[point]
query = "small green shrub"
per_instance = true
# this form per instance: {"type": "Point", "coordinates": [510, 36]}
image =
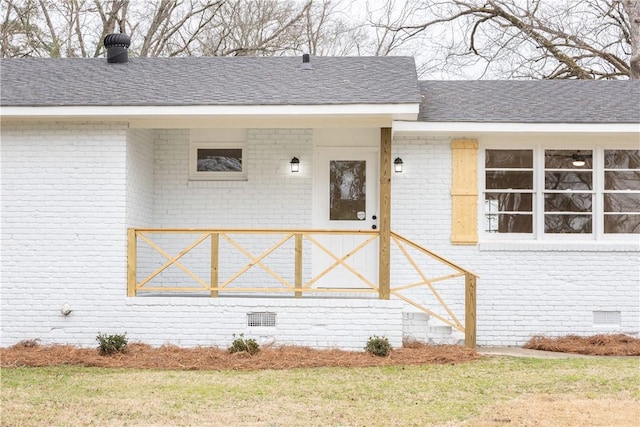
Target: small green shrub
{"type": "Point", "coordinates": [242, 344]}
{"type": "Point", "coordinates": [111, 344]}
{"type": "Point", "coordinates": [378, 346]}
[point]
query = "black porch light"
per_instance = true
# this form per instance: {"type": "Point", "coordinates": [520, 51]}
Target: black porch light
{"type": "Point", "coordinates": [295, 165]}
{"type": "Point", "coordinates": [398, 165]}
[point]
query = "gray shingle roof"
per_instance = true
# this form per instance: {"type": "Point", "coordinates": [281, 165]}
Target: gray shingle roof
{"type": "Point", "coordinates": [208, 81]}
{"type": "Point", "coordinates": [531, 101]}
{"type": "Point", "coordinates": [248, 81]}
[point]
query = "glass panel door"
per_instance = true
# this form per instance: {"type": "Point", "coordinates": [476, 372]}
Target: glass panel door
{"type": "Point", "coordinates": [346, 198]}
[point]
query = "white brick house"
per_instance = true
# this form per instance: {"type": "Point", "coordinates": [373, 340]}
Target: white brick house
{"type": "Point", "coordinates": [94, 151]}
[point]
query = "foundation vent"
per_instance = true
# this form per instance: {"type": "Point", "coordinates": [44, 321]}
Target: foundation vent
{"type": "Point", "coordinates": [606, 318]}
{"type": "Point", "coordinates": [262, 319]}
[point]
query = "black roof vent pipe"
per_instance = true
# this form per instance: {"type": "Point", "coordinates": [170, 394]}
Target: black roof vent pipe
{"type": "Point", "coordinates": [117, 48]}
{"type": "Point", "coordinates": [306, 65]}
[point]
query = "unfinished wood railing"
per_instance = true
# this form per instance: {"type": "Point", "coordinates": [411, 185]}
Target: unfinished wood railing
{"type": "Point", "coordinates": [298, 279]}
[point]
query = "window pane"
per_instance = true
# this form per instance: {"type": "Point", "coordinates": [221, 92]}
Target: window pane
{"type": "Point", "coordinates": [513, 202]}
{"type": "Point", "coordinates": [508, 223]}
{"type": "Point", "coordinates": [622, 224]}
{"type": "Point", "coordinates": [575, 224]}
{"type": "Point", "coordinates": [347, 186]}
{"type": "Point", "coordinates": [622, 159]}
{"type": "Point", "coordinates": [504, 180]}
{"type": "Point", "coordinates": [219, 160]}
{"type": "Point", "coordinates": [621, 202]}
{"type": "Point", "coordinates": [563, 159]}
{"type": "Point", "coordinates": [508, 158]}
{"type": "Point", "coordinates": [568, 180]}
{"type": "Point", "coordinates": [567, 202]}
{"type": "Point", "coordinates": [621, 180]}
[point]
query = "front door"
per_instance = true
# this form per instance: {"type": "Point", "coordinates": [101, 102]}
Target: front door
{"type": "Point", "coordinates": [346, 198]}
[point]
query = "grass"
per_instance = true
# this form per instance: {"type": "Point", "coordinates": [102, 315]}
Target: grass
{"type": "Point", "coordinates": [390, 395]}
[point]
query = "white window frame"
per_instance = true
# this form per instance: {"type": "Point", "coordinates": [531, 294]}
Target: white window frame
{"type": "Point", "coordinates": [539, 176]}
{"type": "Point", "coordinates": [196, 175]}
{"type": "Point", "coordinates": [481, 202]}
{"type": "Point", "coordinates": [601, 191]}
{"type": "Point", "coordinates": [538, 234]}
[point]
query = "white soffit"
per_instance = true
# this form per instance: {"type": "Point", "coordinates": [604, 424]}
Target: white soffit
{"type": "Point", "coordinates": [473, 128]}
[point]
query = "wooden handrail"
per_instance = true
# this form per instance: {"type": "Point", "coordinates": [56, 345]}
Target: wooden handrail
{"type": "Point", "coordinates": [470, 283]}
{"type": "Point", "coordinates": [251, 230]}
{"type": "Point", "coordinates": [432, 254]}
{"type": "Point", "coordinates": [298, 287]}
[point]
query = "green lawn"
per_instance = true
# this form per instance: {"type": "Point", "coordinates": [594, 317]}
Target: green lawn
{"type": "Point", "coordinates": [397, 395]}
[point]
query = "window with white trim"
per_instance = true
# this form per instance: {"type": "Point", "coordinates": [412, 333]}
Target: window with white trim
{"type": "Point", "coordinates": [508, 197]}
{"type": "Point", "coordinates": [621, 193]}
{"type": "Point", "coordinates": [548, 193]}
{"type": "Point", "coordinates": [217, 161]}
{"type": "Point", "coordinates": [568, 191]}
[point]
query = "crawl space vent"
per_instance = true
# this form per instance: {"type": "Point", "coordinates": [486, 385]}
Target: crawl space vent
{"type": "Point", "coordinates": [264, 319]}
{"type": "Point", "coordinates": [606, 318]}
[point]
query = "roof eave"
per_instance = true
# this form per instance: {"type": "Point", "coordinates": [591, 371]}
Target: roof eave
{"type": "Point", "coordinates": [222, 115]}
{"type": "Point", "coordinates": [474, 129]}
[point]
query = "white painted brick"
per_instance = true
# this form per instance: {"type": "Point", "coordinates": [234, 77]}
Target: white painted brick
{"type": "Point", "coordinates": [65, 213]}
{"type": "Point", "coordinates": [522, 291]}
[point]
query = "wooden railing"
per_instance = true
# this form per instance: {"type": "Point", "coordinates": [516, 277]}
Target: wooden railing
{"type": "Point", "coordinates": [300, 280]}
{"type": "Point", "coordinates": [470, 279]}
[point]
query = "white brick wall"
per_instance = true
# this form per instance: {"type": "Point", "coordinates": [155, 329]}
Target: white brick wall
{"type": "Point", "coordinates": [523, 289]}
{"type": "Point", "coordinates": [63, 217]}
{"type": "Point", "coordinates": [272, 197]}
{"type": "Point", "coordinates": [69, 190]}
{"type": "Point", "coordinates": [213, 321]}
{"type": "Point", "coordinates": [140, 164]}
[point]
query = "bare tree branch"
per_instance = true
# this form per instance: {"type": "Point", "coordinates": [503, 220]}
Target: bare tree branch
{"type": "Point", "coordinates": [583, 39]}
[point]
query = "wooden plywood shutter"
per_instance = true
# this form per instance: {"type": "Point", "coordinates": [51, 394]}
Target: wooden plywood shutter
{"type": "Point", "coordinates": [464, 192]}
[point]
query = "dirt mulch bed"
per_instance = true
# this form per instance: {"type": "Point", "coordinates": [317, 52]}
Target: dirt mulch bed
{"type": "Point", "coordinates": [144, 356]}
{"type": "Point", "coordinates": [597, 345]}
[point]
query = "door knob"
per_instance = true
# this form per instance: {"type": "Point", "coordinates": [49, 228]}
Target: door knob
{"type": "Point", "coordinates": [373, 227]}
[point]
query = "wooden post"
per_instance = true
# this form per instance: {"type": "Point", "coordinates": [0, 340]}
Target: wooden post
{"type": "Point", "coordinates": [298, 268]}
{"type": "Point", "coordinates": [215, 259]}
{"type": "Point", "coordinates": [470, 310]}
{"type": "Point", "coordinates": [384, 275]}
{"type": "Point", "coordinates": [132, 251]}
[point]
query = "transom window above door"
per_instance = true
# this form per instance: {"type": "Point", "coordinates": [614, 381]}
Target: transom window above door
{"type": "Point", "coordinates": [538, 192]}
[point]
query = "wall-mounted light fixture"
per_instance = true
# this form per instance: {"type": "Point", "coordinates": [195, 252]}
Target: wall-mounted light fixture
{"type": "Point", "coordinates": [398, 165]}
{"type": "Point", "coordinates": [295, 165]}
{"type": "Point", "coordinates": [578, 160]}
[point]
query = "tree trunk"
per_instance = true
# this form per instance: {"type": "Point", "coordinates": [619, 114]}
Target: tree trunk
{"type": "Point", "coordinates": [632, 7]}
